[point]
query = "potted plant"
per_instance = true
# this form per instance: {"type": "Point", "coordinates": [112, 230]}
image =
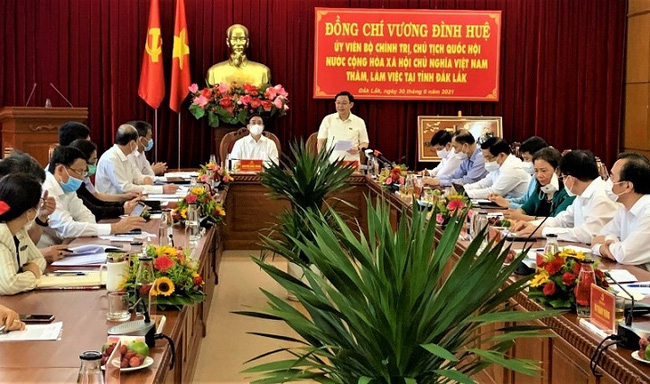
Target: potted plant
{"type": "Point", "coordinates": [384, 310]}
{"type": "Point", "coordinates": [305, 180]}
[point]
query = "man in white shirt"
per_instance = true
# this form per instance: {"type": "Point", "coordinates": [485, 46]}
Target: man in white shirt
{"type": "Point", "coordinates": [591, 210]}
{"type": "Point", "coordinates": [449, 162]}
{"type": "Point", "coordinates": [506, 173]}
{"type": "Point", "coordinates": [255, 146]}
{"type": "Point", "coordinates": [145, 143]}
{"type": "Point", "coordinates": [625, 238]}
{"type": "Point", "coordinates": [71, 218]}
{"type": "Point", "coordinates": [344, 127]}
{"type": "Point", "coordinates": [116, 174]}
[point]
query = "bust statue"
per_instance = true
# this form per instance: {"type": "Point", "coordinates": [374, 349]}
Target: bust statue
{"type": "Point", "coordinates": [238, 68]}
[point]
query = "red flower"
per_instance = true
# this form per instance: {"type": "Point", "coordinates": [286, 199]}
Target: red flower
{"type": "Point", "coordinates": [206, 92]}
{"type": "Point", "coordinates": [576, 268]}
{"type": "Point", "coordinates": [4, 207]}
{"type": "Point", "coordinates": [540, 260]}
{"type": "Point", "coordinates": [599, 274]}
{"type": "Point", "coordinates": [568, 278]}
{"type": "Point", "coordinates": [455, 204]}
{"type": "Point", "coordinates": [190, 199]}
{"type": "Point", "coordinates": [267, 105]}
{"type": "Point", "coordinates": [144, 289]}
{"type": "Point", "coordinates": [197, 280]}
{"type": "Point", "coordinates": [226, 102]}
{"type": "Point", "coordinates": [549, 289]}
{"type": "Point", "coordinates": [163, 263]}
{"type": "Point", "coordinates": [554, 266]}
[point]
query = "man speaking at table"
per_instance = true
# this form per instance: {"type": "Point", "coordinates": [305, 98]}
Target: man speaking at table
{"type": "Point", "coordinates": [343, 130]}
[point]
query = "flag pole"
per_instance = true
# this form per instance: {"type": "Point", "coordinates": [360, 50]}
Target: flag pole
{"type": "Point", "coordinates": [155, 124]}
{"type": "Point", "coordinates": [179, 139]}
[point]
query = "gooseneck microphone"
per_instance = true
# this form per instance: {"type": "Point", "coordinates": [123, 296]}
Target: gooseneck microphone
{"type": "Point", "coordinates": [31, 94]}
{"type": "Point", "coordinates": [61, 94]}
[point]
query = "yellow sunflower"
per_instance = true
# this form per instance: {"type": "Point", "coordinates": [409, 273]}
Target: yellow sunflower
{"type": "Point", "coordinates": [165, 250]}
{"type": "Point", "coordinates": [163, 286]}
{"type": "Point", "coordinates": [197, 190]}
{"type": "Point", "coordinates": [539, 279]}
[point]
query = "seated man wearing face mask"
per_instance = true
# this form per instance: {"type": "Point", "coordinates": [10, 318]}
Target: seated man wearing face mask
{"type": "Point", "coordinates": [590, 210]}
{"type": "Point", "coordinates": [145, 144]}
{"type": "Point", "coordinates": [255, 146]}
{"type": "Point", "coordinates": [528, 148]}
{"type": "Point", "coordinates": [506, 174]}
{"type": "Point", "coordinates": [471, 168]}
{"type": "Point", "coordinates": [449, 162]}
{"type": "Point", "coordinates": [116, 174]}
{"type": "Point", "coordinates": [625, 238]}
{"type": "Point", "coordinates": [549, 196]}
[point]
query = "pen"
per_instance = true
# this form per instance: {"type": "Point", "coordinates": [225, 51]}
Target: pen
{"type": "Point", "coordinates": [81, 288]}
{"type": "Point", "coordinates": [637, 285]}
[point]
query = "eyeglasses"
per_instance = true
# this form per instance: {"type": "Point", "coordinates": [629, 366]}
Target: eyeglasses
{"type": "Point", "coordinates": [83, 173]}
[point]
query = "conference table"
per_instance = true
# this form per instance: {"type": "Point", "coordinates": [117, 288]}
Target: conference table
{"type": "Point", "coordinates": [250, 213]}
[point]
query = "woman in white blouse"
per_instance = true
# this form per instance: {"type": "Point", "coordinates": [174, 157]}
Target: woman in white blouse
{"type": "Point", "coordinates": [21, 263]}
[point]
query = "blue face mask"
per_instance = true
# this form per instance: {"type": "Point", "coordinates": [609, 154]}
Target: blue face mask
{"type": "Point", "coordinates": [72, 184]}
{"type": "Point", "coordinates": [149, 145]}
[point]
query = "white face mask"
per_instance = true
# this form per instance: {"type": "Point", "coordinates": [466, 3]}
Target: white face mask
{"type": "Point", "coordinates": [442, 153]}
{"type": "Point", "coordinates": [609, 184]}
{"type": "Point", "coordinates": [553, 186]}
{"type": "Point", "coordinates": [256, 129]}
{"type": "Point", "coordinates": [529, 167]}
{"type": "Point", "coordinates": [491, 166]}
{"type": "Point", "coordinates": [461, 155]}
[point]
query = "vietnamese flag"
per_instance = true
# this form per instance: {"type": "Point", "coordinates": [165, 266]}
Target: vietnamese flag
{"type": "Point", "coordinates": [152, 81]}
{"type": "Point", "coordinates": [180, 60]}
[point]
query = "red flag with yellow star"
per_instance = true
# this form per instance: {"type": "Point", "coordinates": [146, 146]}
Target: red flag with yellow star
{"type": "Point", "coordinates": [180, 60]}
{"type": "Point", "coordinates": [152, 81]}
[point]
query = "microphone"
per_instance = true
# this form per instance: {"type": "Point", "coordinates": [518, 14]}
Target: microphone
{"type": "Point", "coordinates": [31, 94]}
{"type": "Point", "coordinates": [61, 94]}
{"type": "Point", "coordinates": [379, 156]}
{"type": "Point", "coordinates": [628, 338]}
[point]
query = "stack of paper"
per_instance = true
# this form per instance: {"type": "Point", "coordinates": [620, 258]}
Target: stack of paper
{"type": "Point", "coordinates": [89, 278]}
{"type": "Point", "coordinates": [622, 276]}
{"type": "Point", "coordinates": [78, 261]}
{"type": "Point", "coordinates": [34, 332]}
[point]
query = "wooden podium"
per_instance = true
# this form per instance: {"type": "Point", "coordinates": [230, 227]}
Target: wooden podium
{"type": "Point", "coordinates": [34, 129]}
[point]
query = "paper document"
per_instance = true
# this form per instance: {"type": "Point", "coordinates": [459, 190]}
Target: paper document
{"type": "Point", "coordinates": [34, 332]}
{"type": "Point", "coordinates": [90, 249]}
{"type": "Point", "coordinates": [88, 278]}
{"type": "Point", "coordinates": [77, 261]}
{"type": "Point", "coordinates": [184, 175]}
{"type": "Point", "coordinates": [343, 145]}
{"type": "Point", "coordinates": [161, 197]}
{"type": "Point", "coordinates": [623, 276]}
{"type": "Point", "coordinates": [637, 293]}
{"type": "Point", "coordinates": [577, 249]}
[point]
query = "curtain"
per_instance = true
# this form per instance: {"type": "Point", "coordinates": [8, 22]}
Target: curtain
{"type": "Point", "coordinates": [561, 75]}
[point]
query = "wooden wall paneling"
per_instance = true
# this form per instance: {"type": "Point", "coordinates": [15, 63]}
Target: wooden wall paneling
{"type": "Point", "coordinates": [636, 6]}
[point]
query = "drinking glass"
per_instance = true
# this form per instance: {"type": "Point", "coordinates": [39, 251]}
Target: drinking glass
{"type": "Point", "coordinates": [118, 306]}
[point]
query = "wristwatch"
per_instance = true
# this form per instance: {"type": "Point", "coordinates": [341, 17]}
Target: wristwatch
{"type": "Point", "coordinates": [45, 223]}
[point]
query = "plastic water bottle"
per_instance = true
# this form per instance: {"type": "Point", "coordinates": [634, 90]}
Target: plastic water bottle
{"type": "Point", "coordinates": [192, 227]}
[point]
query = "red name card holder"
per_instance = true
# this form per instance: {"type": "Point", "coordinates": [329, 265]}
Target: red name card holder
{"type": "Point", "coordinates": [602, 318]}
{"type": "Point", "coordinates": [251, 165]}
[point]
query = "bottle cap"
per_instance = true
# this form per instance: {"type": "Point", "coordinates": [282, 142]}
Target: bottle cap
{"type": "Point", "coordinates": [587, 261]}
{"type": "Point", "coordinates": [90, 355]}
{"type": "Point", "coordinates": [552, 235]}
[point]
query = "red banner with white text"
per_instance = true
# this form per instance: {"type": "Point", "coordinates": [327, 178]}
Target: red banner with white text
{"type": "Point", "coordinates": [408, 54]}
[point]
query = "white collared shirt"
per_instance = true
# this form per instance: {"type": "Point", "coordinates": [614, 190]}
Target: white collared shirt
{"type": "Point", "coordinates": [510, 180]}
{"type": "Point", "coordinates": [630, 231]}
{"type": "Point", "coordinates": [333, 129]}
{"type": "Point", "coordinates": [447, 165]}
{"type": "Point", "coordinates": [140, 161]}
{"type": "Point", "coordinates": [247, 148]}
{"type": "Point", "coordinates": [70, 219]}
{"type": "Point", "coordinates": [12, 282]}
{"type": "Point", "coordinates": [585, 217]}
{"type": "Point", "coordinates": [116, 174]}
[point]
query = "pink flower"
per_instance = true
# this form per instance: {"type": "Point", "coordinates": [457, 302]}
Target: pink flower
{"type": "Point", "coordinates": [455, 204]}
{"type": "Point", "coordinates": [277, 102]}
{"type": "Point", "coordinates": [191, 199]}
{"type": "Point", "coordinates": [439, 218]}
{"type": "Point", "coordinates": [204, 178]}
{"type": "Point", "coordinates": [270, 93]}
{"type": "Point", "coordinates": [201, 101]}
{"type": "Point", "coordinates": [401, 180]}
{"type": "Point", "coordinates": [223, 88]}
{"type": "Point", "coordinates": [245, 100]}
{"type": "Point", "coordinates": [213, 167]}
{"type": "Point", "coordinates": [193, 88]}
{"type": "Point", "coordinates": [389, 181]}
{"type": "Point", "coordinates": [281, 90]}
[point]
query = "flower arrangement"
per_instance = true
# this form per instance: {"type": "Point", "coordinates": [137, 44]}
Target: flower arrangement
{"type": "Point", "coordinates": [233, 103]}
{"type": "Point", "coordinates": [392, 178]}
{"type": "Point", "coordinates": [177, 281]}
{"type": "Point", "coordinates": [211, 172]}
{"type": "Point", "coordinates": [554, 284]}
{"type": "Point", "coordinates": [205, 202]}
{"type": "Point", "coordinates": [447, 206]}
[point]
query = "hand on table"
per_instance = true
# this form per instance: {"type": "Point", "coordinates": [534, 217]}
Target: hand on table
{"type": "Point", "coordinates": [159, 168]}
{"type": "Point", "coordinates": [432, 181]}
{"type": "Point", "coordinates": [10, 319]}
{"type": "Point", "coordinates": [514, 214]}
{"type": "Point", "coordinates": [499, 200]}
{"type": "Point", "coordinates": [518, 225]}
{"type": "Point", "coordinates": [54, 252]}
{"type": "Point", "coordinates": [131, 195]}
{"type": "Point", "coordinates": [127, 224]}
{"type": "Point", "coordinates": [129, 205]}
{"type": "Point", "coordinates": [169, 189]}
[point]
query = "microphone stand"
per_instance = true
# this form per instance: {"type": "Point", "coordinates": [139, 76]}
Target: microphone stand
{"type": "Point", "coordinates": [628, 338]}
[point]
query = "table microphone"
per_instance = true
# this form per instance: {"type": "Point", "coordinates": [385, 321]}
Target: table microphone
{"type": "Point", "coordinates": [628, 338]}
{"type": "Point", "coordinates": [61, 94]}
{"type": "Point", "coordinates": [378, 155]}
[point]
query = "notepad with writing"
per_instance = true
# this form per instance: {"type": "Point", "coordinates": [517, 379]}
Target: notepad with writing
{"type": "Point", "coordinates": [34, 332]}
{"type": "Point", "coordinates": [90, 278]}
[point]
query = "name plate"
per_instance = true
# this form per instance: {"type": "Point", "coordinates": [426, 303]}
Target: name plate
{"type": "Point", "coordinates": [603, 308]}
{"type": "Point", "coordinates": [250, 165]}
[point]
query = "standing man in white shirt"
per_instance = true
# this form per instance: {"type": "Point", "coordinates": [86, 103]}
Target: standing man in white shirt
{"type": "Point", "coordinates": [71, 218]}
{"type": "Point", "coordinates": [591, 210]}
{"type": "Point", "coordinates": [343, 126]}
{"type": "Point", "coordinates": [625, 238]}
{"type": "Point", "coordinates": [145, 144]}
{"type": "Point", "coordinates": [255, 146]}
{"type": "Point", "coordinates": [506, 176]}
{"type": "Point", "coordinates": [449, 162]}
{"type": "Point", "coordinates": [116, 174]}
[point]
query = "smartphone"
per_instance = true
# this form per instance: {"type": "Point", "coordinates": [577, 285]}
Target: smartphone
{"type": "Point", "coordinates": [36, 318]}
{"type": "Point", "coordinates": [138, 209]}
